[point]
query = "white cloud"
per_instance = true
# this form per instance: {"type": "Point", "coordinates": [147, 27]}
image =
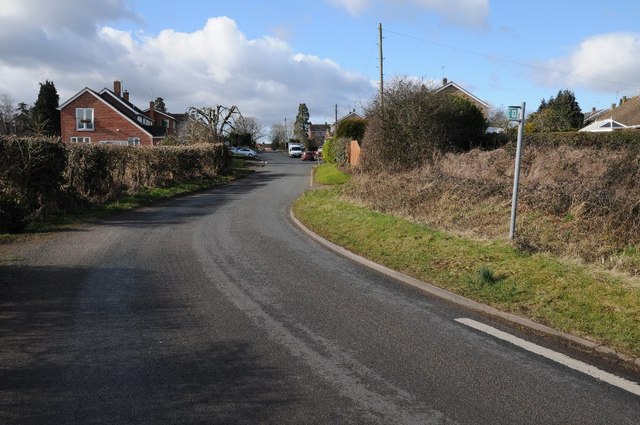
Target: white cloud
{"type": "Point", "coordinates": [466, 13]}
{"type": "Point", "coordinates": [606, 63]}
{"type": "Point", "coordinates": [354, 7]}
{"type": "Point", "coordinates": [216, 64]}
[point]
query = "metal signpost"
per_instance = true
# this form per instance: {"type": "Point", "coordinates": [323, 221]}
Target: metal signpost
{"type": "Point", "coordinates": [516, 113]}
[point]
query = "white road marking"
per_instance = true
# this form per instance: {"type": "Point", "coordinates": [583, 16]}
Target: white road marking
{"type": "Point", "coordinates": [607, 377]}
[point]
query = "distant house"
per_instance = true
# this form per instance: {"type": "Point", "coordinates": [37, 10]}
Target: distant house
{"type": "Point", "coordinates": [108, 117]}
{"type": "Point", "coordinates": [604, 125]}
{"type": "Point", "coordinates": [625, 115]}
{"type": "Point", "coordinates": [318, 132]}
{"type": "Point", "coordinates": [353, 115]}
{"type": "Point", "coordinates": [449, 87]}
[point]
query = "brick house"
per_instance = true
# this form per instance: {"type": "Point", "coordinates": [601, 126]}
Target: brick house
{"type": "Point", "coordinates": [108, 117]}
{"type": "Point", "coordinates": [317, 132]}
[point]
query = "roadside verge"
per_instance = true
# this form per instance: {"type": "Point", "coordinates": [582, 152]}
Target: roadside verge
{"type": "Point", "coordinates": [568, 339]}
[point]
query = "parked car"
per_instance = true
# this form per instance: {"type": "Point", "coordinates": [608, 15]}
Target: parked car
{"type": "Point", "coordinates": [309, 155]}
{"type": "Point", "coordinates": [246, 152]}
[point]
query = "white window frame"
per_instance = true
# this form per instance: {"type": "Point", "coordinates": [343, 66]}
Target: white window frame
{"type": "Point", "coordinates": [133, 141]}
{"type": "Point", "coordinates": [85, 119]}
{"type": "Point", "coordinates": [80, 139]}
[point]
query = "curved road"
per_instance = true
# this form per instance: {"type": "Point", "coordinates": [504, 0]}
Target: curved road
{"type": "Point", "coordinates": [214, 308]}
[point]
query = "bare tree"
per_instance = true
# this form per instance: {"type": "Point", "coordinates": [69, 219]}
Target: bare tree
{"type": "Point", "coordinates": [279, 135]}
{"type": "Point", "coordinates": [211, 123]}
{"type": "Point", "coordinates": [7, 115]}
{"type": "Point", "coordinates": [250, 126]}
{"type": "Point", "coordinates": [498, 119]}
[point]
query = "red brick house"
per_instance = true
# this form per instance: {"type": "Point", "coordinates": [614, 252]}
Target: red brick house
{"type": "Point", "coordinates": [108, 117]}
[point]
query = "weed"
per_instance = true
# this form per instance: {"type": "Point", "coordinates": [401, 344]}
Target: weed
{"type": "Point", "coordinates": [485, 276]}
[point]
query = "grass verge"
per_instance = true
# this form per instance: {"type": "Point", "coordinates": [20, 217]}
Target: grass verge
{"type": "Point", "coordinates": [575, 298]}
{"type": "Point", "coordinates": [329, 174]}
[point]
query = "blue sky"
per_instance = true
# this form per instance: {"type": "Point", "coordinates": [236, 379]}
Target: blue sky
{"type": "Point", "coordinates": [266, 57]}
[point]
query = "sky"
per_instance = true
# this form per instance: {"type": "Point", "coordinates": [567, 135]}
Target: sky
{"type": "Point", "coordinates": [267, 57]}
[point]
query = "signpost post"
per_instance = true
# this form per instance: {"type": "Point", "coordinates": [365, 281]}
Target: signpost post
{"type": "Point", "coordinates": [516, 113]}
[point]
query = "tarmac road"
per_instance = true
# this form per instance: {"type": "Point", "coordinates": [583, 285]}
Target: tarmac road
{"type": "Point", "coordinates": [214, 308]}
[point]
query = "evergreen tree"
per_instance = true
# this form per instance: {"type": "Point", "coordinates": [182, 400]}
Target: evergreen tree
{"type": "Point", "coordinates": [159, 105]}
{"type": "Point", "coordinates": [302, 123]}
{"type": "Point", "coordinates": [46, 109]}
{"type": "Point", "coordinates": [560, 113]}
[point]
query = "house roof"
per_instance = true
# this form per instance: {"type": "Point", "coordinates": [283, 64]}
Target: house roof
{"type": "Point", "coordinates": [627, 113]}
{"type": "Point", "coordinates": [319, 127]}
{"type": "Point", "coordinates": [350, 116]}
{"type": "Point", "coordinates": [125, 107]}
{"type": "Point", "coordinates": [604, 125]}
{"type": "Point", "coordinates": [121, 108]}
{"type": "Point", "coordinates": [455, 86]}
{"type": "Point", "coordinates": [166, 114]}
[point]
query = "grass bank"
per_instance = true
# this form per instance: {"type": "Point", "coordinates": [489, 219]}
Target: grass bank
{"type": "Point", "coordinates": [329, 174]}
{"type": "Point", "coordinates": [595, 304]}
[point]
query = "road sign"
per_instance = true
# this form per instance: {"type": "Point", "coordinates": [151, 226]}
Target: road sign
{"type": "Point", "coordinates": [513, 113]}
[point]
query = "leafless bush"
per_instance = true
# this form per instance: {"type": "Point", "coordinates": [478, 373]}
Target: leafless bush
{"type": "Point", "coordinates": [415, 125]}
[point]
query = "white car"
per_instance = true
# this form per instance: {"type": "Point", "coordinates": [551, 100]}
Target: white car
{"type": "Point", "coordinates": [249, 153]}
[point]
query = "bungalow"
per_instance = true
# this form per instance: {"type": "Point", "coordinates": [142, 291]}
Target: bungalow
{"type": "Point", "coordinates": [449, 87]}
{"type": "Point", "coordinates": [353, 115]}
{"type": "Point", "coordinates": [626, 115]}
{"type": "Point", "coordinates": [108, 117]}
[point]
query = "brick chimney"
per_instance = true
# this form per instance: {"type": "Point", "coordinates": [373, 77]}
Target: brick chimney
{"type": "Point", "coordinates": [117, 88]}
{"type": "Point", "coordinates": [125, 95]}
{"type": "Point", "coordinates": [444, 81]}
{"type": "Point", "coordinates": [152, 112]}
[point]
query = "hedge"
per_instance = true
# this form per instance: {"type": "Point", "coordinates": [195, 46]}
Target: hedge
{"type": "Point", "coordinates": [40, 176]}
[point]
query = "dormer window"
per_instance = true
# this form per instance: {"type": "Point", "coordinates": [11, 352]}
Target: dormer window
{"type": "Point", "coordinates": [84, 119]}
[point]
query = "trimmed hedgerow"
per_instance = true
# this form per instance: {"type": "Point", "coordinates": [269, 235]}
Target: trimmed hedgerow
{"type": "Point", "coordinates": [38, 176]}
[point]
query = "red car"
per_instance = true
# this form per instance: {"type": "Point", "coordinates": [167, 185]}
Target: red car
{"type": "Point", "coordinates": [309, 155]}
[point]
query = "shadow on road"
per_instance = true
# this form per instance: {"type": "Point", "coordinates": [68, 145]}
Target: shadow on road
{"type": "Point", "coordinates": [76, 347]}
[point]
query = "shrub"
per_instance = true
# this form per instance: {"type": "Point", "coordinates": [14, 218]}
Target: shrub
{"type": "Point", "coordinates": [417, 124]}
{"type": "Point", "coordinates": [352, 129]}
{"type": "Point", "coordinates": [334, 150]}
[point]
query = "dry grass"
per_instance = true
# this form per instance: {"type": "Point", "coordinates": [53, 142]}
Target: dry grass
{"type": "Point", "coordinates": [574, 202]}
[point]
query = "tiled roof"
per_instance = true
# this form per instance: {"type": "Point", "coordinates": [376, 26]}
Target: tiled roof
{"type": "Point", "coordinates": [627, 113]}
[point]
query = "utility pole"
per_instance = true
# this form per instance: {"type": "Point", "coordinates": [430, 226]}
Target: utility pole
{"type": "Point", "coordinates": [381, 61]}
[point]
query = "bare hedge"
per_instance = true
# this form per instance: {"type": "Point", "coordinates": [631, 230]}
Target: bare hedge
{"type": "Point", "coordinates": [579, 201]}
{"type": "Point", "coordinates": [40, 176]}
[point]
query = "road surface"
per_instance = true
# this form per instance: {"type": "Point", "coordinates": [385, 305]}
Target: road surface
{"type": "Point", "coordinates": [214, 308]}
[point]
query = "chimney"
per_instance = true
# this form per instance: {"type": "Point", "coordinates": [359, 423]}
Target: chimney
{"type": "Point", "coordinates": [152, 112]}
{"type": "Point", "coordinates": [593, 109]}
{"type": "Point", "coordinates": [613, 106]}
{"type": "Point", "coordinates": [117, 87]}
{"type": "Point", "coordinates": [444, 81]}
{"type": "Point", "coordinates": [125, 95]}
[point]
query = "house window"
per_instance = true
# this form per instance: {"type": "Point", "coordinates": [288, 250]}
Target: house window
{"type": "Point", "coordinates": [165, 123]}
{"type": "Point", "coordinates": [81, 140]}
{"type": "Point", "coordinates": [84, 119]}
{"type": "Point", "coordinates": [133, 141]}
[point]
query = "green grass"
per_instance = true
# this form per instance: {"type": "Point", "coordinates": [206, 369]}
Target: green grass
{"type": "Point", "coordinates": [594, 304]}
{"type": "Point", "coordinates": [330, 174]}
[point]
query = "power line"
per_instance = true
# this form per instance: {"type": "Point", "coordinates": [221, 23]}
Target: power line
{"type": "Point", "coordinates": [497, 58]}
